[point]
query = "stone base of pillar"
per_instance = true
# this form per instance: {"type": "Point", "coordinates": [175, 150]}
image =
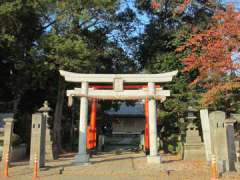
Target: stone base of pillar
{"type": "Point", "coordinates": [237, 166]}
{"type": "Point", "coordinates": [81, 159]}
{"type": "Point", "coordinates": [154, 159]}
{"type": "Point", "coordinates": [226, 165]}
{"type": "Point", "coordinates": [194, 152]}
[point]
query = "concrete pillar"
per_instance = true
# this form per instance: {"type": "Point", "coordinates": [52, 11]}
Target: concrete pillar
{"type": "Point", "coordinates": [82, 156]}
{"type": "Point", "coordinates": [154, 156]}
{"type": "Point", "coordinates": [206, 133]}
{"type": "Point", "coordinates": [8, 128]}
{"type": "Point", "coordinates": [38, 134]}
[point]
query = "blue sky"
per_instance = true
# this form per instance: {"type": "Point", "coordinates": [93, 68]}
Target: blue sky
{"type": "Point", "coordinates": [235, 2]}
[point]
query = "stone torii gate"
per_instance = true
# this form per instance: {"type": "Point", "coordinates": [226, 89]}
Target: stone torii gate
{"type": "Point", "coordinates": [120, 89]}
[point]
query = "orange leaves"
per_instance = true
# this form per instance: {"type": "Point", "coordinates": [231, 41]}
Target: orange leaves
{"type": "Point", "coordinates": [222, 88]}
{"type": "Point", "coordinates": [183, 6]}
{"type": "Point", "coordinates": [238, 17]}
{"type": "Point", "coordinates": [155, 4]}
{"type": "Point", "coordinates": [211, 53]}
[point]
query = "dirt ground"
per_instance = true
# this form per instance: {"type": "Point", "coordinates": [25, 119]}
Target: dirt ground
{"type": "Point", "coordinates": [120, 166]}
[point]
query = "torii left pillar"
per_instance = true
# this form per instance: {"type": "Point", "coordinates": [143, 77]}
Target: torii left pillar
{"type": "Point", "coordinates": [82, 157]}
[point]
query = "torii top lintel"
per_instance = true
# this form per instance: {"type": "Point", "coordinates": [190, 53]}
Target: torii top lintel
{"type": "Point", "coordinates": [111, 78]}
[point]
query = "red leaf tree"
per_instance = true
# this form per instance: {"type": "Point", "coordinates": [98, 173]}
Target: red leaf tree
{"type": "Point", "coordinates": [156, 4]}
{"type": "Point", "coordinates": [214, 53]}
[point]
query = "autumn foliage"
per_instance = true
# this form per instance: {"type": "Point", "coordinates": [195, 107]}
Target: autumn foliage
{"type": "Point", "coordinates": [181, 4]}
{"type": "Point", "coordinates": [214, 53]}
{"type": "Point", "coordinates": [156, 4]}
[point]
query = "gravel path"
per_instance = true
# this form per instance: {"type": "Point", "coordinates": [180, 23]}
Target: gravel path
{"type": "Point", "coordinates": [123, 166]}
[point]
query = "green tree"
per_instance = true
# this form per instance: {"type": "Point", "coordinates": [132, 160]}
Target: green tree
{"type": "Point", "coordinates": [37, 38]}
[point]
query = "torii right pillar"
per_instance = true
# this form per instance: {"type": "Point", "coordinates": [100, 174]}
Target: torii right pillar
{"type": "Point", "coordinates": [154, 156]}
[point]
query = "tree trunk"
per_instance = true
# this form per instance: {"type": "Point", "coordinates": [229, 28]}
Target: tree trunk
{"type": "Point", "coordinates": [16, 102]}
{"type": "Point", "coordinates": [57, 125]}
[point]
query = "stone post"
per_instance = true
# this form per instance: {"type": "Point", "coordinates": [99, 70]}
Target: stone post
{"type": "Point", "coordinates": [236, 117]}
{"type": "Point", "coordinates": [206, 133]}
{"type": "Point", "coordinates": [45, 109]}
{"type": "Point", "coordinates": [154, 156]}
{"type": "Point", "coordinates": [218, 138]}
{"type": "Point", "coordinates": [237, 145]}
{"type": "Point", "coordinates": [82, 156]}
{"type": "Point", "coordinates": [8, 129]}
{"type": "Point", "coordinates": [38, 139]}
{"type": "Point", "coordinates": [230, 143]}
{"type": "Point", "coordinates": [222, 140]}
